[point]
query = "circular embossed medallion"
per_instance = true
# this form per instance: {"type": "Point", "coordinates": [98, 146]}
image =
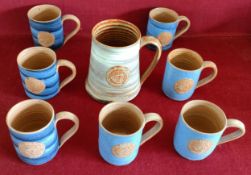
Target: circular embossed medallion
{"type": "Point", "coordinates": [123, 150]}
{"type": "Point", "coordinates": [117, 75]}
{"type": "Point", "coordinates": [34, 85]}
{"type": "Point", "coordinates": [184, 85]}
{"type": "Point", "coordinates": [31, 149]}
{"type": "Point", "coordinates": [165, 38]}
{"type": "Point", "coordinates": [199, 146]}
{"type": "Point", "coordinates": [46, 39]}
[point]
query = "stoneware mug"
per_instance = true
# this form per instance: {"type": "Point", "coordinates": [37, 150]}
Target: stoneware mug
{"type": "Point", "coordinates": [182, 73]}
{"type": "Point", "coordinates": [114, 62]}
{"type": "Point", "coordinates": [38, 67]}
{"type": "Point", "coordinates": [163, 23]}
{"type": "Point", "coordinates": [120, 131]}
{"type": "Point", "coordinates": [200, 127]}
{"type": "Point", "coordinates": [32, 126]}
{"type": "Point", "coordinates": [46, 24]}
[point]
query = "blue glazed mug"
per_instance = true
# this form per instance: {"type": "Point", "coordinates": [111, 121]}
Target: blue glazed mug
{"type": "Point", "coordinates": [120, 131]}
{"type": "Point", "coordinates": [38, 67]}
{"type": "Point", "coordinates": [200, 128]}
{"type": "Point", "coordinates": [163, 23]}
{"type": "Point", "coordinates": [182, 73]}
{"type": "Point", "coordinates": [32, 126]}
{"type": "Point", "coordinates": [46, 24]}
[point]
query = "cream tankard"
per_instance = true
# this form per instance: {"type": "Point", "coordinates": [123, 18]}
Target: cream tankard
{"type": "Point", "coordinates": [114, 73]}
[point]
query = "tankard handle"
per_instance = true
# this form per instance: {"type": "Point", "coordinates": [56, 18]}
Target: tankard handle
{"type": "Point", "coordinates": [145, 40]}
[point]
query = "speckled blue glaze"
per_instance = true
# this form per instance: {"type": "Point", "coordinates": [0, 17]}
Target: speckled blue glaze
{"type": "Point", "coordinates": [54, 27]}
{"type": "Point", "coordinates": [47, 136]}
{"type": "Point", "coordinates": [108, 140]}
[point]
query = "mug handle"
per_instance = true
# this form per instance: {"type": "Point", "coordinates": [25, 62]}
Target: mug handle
{"type": "Point", "coordinates": [155, 129]}
{"type": "Point", "coordinates": [70, 65]}
{"type": "Point", "coordinates": [234, 135]}
{"type": "Point", "coordinates": [182, 31]}
{"type": "Point", "coordinates": [145, 40]}
{"type": "Point", "coordinates": [77, 28]}
{"type": "Point", "coordinates": [64, 115]}
{"type": "Point", "coordinates": [209, 78]}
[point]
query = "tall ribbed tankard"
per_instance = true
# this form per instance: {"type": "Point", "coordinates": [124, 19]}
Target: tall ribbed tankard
{"type": "Point", "coordinates": [114, 73]}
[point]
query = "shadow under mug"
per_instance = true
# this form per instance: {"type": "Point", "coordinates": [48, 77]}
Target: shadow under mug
{"type": "Point", "coordinates": [38, 67]}
{"type": "Point", "coordinates": [182, 73]}
{"type": "Point", "coordinates": [32, 126]}
{"type": "Point", "coordinates": [200, 128]}
{"type": "Point", "coordinates": [163, 23]}
{"type": "Point", "coordinates": [114, 73]}
{"type": "Point", "coordinates": [120, 131]}
{"type": "Point", "coordinates": [46, 26]}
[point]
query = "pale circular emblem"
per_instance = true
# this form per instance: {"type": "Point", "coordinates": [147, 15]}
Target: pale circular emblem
{"type": "Point", "coordinates": [123, 150]}
{"type": "Point", "coordinates": [34, 85]}
{"type": "Point", "coordinates": [31, 149]}
{"type": "Point", "coordinates": [165, 38]}
{"type": "Point", "coordinates": [184, 85]}
{"type": "Point", "coordinates": [117, 75]}
{"type": "Point", "coordinates": [46, 39]}
{"type": "Point", "coordinates": [199, 146]}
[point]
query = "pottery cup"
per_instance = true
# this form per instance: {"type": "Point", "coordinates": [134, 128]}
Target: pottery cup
{"type": "Point", "coordinates": [163, 23]}
{"type": "Point", "coordinates": [38, 67]}
{"type": "Point", "coordinates": [200, 128]}
{"type": "Point", "coordinates": [33, 129]}
{"type": "Point", "coordinates": [121, 134]}
{"type": "Point", "coordinates": [46, 25]}
{"type": "Point", "coordinates": [182, 73]}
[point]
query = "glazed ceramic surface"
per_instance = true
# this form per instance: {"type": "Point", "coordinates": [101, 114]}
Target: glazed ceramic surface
{"type": "Point", "coordinates": [114, 73]}
{"type": "Point", "coordinates": [193, 144]}
{"type": "Point", "coordinates": [40, 146]}
{"type": "Point", "coordinates": [122, 149]}
{"type": "Point", "coordinates": [163, 23]}
{"type": "Point", "coordinates": [180, 83]}
{"type": "Point", "coordinates": [42, 82]}
{"type": "Point", "coordinates": [46, 24]}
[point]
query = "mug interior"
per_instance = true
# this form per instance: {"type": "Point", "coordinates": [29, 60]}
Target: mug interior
{"type": "Point", "coordinates": [36, 58]}
{"type": "Point", "coordinates": [185, 59]}
{"type": "Point", "coordinates": [29, 116]}
{"type": "Point", "coordinates": [203, 116]}
{"type": "Point", "coordinates": [116, 33]}
{"type": "Point", "coordinates": [44, 13]}
{"type": "Point", "coordinates": [121, 118]}
{"type": "Point", "coordinates": [163, 15]}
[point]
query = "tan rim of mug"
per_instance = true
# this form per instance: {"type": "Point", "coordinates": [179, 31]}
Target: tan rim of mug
{"type": "Point", "coordinates": [208, 104]}
{"type": "Point", "coordinates": [114, 22]}
{"type": "Point", "coordinates": [32, 12]}
{"type": "Point", "coordinates": [33, 50]}
{"type": "Point", "coordinates": [117, 105]}
{"type": "Point", "coordinates": [157, 10]}
{"type": "Point", "coordinates": [23, 105]}
{"type": "Point", "coordinates": [190, 52]}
